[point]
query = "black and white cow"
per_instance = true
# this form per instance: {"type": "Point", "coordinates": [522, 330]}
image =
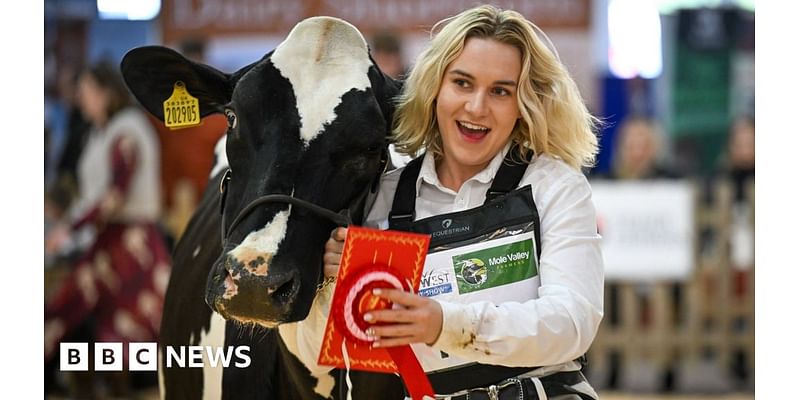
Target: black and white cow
{"type": "Point", "coordinates": [308, 121]}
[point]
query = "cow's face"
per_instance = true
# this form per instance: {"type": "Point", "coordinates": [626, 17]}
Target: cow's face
{"type": "Point", "coordinates": [309, 120]}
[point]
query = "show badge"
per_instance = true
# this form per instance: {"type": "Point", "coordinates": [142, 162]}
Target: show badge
{"type": "Point", "coordinates": [480, 268]}
{"type": "Point", "coordinates": [374, 259]}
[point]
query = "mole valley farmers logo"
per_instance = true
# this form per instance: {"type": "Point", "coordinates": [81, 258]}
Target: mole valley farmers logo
{"type": "Point", "coordinates": [495, 266]}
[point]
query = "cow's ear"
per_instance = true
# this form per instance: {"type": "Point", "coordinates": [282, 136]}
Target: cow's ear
{"type": "Point", "coordinates": [152, 71]}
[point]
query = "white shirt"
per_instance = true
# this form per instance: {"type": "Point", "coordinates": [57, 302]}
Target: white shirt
{"type": "Point", "coordinates": [550, 331]}
{"type": "Point", "coordinates": [143, 200]}
{"type": "Point", "coordinates": [555, 328]}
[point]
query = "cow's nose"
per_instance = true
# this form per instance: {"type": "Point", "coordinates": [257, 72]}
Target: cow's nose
{"type": "Point", "coordinates": [284, 290]}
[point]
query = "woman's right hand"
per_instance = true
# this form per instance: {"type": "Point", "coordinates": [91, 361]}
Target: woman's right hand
{"type": "Point", "coordinates": [333, 252]}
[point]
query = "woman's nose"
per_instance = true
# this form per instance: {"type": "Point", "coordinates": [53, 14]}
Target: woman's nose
{"type": "Point", "coordinates": [476, 104]}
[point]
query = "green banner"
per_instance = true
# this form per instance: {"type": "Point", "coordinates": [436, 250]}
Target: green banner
{"type": "Point", "coordinates": [495, 266]}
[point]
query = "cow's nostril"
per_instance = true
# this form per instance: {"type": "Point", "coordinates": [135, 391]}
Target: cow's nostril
{"type": "Point", "coordinates": [231, 289]}
{"type": "Point", "coordinates": [286, 291]}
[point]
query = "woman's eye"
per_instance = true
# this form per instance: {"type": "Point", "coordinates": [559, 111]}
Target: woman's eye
{"type": "Point", "coordinates": [231, 116]}
{"type": "Point", "coordinates": [461, 83]}
{"type": "Point", "coordinates": [501, 91]}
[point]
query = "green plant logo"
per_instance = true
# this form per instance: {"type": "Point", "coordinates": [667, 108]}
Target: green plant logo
{"type": "Point", "coordinates": [473, 271]}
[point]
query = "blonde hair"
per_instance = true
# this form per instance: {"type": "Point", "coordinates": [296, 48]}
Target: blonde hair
{"type": "Point", "coordinates": [554, 120]}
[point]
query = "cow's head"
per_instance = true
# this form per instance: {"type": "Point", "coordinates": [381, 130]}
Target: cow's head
{"type": "Point", "coordinates": [309, 120]}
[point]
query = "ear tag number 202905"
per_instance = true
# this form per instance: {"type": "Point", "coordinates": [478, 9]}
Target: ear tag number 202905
{"type": "Point", "coordinates": [181, 109]}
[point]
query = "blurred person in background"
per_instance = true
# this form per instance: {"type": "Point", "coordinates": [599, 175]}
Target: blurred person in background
{"type": "Point", "coordinates": [120, 279]}
{"type": "Point", "coordinates": [639, 151]}
{"type": "Point", "coordinates": [638, 155]}
{"type": "Point", "coordinates": [740, 164]}
{"type": "Point", "coordinates": [187, 156]}
{"type": "Point", "coordinates": [386, 48]}
{"type": "Point", "coordinates": [490, 105]}
{"type": "Point", "coordinates": [736, 173]}
{"type": "Point", "coordinates": [64, 186]}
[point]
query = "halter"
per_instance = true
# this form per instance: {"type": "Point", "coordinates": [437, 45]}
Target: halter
{"type": "Point", "coordinates": [342, 218]}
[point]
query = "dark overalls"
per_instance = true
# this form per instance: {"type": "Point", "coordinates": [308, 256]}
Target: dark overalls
{"type": "Point", "coordinates": [507, 211]}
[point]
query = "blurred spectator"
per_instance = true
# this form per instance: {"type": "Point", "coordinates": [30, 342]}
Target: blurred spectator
{"type": "Point", "coordinates": [734, 177]}
{"type": "Point", "coordinates": [120, 279]}
{"type": "Point", "coordinates": [386, 48]}
{"type": "Point", "coordinates": [54, 130]}
{"type": "Point", "coordinates": [638, 155]}
{"type": "Point", "coordinates": [193, 48]}
{"type": "Point", "coordinates": [187, 156]}
{"type": "Point", "coordinates": [740, 166]}
{"type": "Point", "coordinates": [76, 128]}
{"type": "Point", "coordinates": [736, 171]}
{"type": "Point", "coordinates": [741, 171]}
{"type": "Point", "coordinates": [639, 151]}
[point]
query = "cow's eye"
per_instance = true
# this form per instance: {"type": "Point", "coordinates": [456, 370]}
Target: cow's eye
{"type": "Point", "coordinates": [231, 116]}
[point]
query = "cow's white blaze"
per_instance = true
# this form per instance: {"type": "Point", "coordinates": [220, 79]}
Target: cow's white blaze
{"type": "Point", "coordinates": [263, 241]}
{"type": "Point", "coordinates": [323, 58]}
{"type": "Point", "coordinates": [212, 376]}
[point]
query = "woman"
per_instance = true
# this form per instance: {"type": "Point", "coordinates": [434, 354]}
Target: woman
{"type": "Point", "coordinates": [638, 151]}
{"type": "Point", "coordinates": [121, 278]}
{"type": "Point", "coordinates": [494, 111]}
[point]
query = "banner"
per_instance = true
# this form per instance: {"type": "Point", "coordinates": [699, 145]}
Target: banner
{"type": "Point", "coordinates": [181, 18]}
{"type": "Point", "coordinates": [647, 229]}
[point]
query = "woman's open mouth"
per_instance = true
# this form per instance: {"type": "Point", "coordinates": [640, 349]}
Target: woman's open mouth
{"type": "Point", "coordinates": [472, 132]}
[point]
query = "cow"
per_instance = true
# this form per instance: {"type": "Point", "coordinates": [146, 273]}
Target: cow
{"type": "Point", "coordinates": [307, 136]}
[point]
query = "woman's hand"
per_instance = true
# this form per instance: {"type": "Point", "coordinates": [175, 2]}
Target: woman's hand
{"type": "Point", "coordinates": [333, 252]}
{"type": "Point", "coordinates": [417, 319]}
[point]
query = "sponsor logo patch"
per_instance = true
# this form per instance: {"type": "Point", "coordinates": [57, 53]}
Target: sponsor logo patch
{"type": "Point", "coordinates": [495, 266]}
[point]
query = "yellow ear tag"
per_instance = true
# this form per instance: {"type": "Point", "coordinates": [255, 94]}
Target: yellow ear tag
{"type": "Point", "coordinates": [181, 110]}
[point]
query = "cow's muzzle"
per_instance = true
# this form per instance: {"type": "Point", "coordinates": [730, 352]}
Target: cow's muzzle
{"type": "Point", "coordinates": [247, 293]}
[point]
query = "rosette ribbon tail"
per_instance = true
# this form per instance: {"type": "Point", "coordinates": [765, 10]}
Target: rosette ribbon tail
{"type": "Point", "coordinates": [411, 372]}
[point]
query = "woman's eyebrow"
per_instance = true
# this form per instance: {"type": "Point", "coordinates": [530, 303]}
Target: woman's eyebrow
{"type": "Point", "coordinates": [500, 82]}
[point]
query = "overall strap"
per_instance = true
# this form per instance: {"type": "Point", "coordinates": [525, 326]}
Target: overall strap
{"type": "Point", "coordinates": [508, 175]}
{"type": "Point", "coordinates": [405, 196]}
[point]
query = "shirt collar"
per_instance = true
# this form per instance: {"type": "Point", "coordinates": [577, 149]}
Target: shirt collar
{"type": "Point", "coordinates": [428, 174]}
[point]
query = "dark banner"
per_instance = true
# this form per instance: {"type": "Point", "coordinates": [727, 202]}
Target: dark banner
{"type": "Point", "coordinates": [181, 18]}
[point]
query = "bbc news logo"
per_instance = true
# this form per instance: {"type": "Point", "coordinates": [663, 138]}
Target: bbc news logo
{"type": "Point", "coordinates": [144, 356]}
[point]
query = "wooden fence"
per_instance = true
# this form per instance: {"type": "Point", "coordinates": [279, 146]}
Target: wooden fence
{"type": "Point", "coordinates": [696, 335]}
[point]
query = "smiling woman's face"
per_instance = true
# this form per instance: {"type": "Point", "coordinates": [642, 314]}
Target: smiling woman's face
{"type": "Point", "coordinates": [476, 108]}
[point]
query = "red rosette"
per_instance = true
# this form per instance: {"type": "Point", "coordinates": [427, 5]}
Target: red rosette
{"type": "Point", "coordinates": [357, 299]}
